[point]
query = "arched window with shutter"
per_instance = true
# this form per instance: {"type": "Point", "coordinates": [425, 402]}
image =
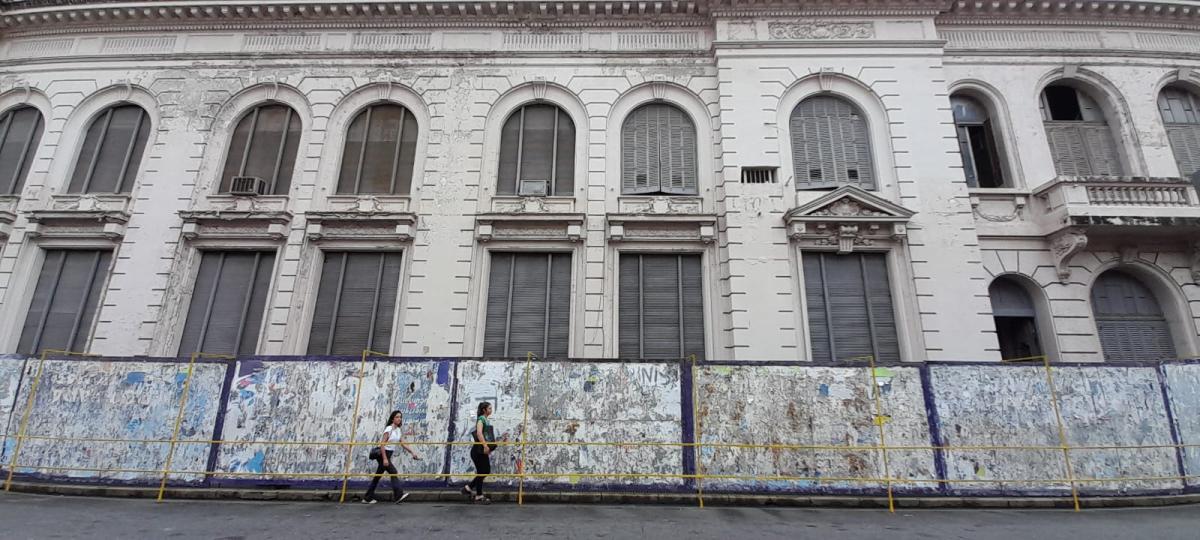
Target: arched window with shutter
{"type": "Point", "coordinates": [977, 142]}
{"type": "Point", "coordinates": [1181, 118]}
{"type": "Point", "coordinates": [537, 152]}
{"type": "Point", "coordinates": [1081, 141]}
{"type": "Point", "coordinates": [1015, 318]}
{"type": "Point", "coordinates": [1130, 321]}
{"type": "Point", "coordinates": [112, 151]}
{"type": "Point", "coordinates": [263, 149]}
{"type": "Point", "coordinates": [658, 152]}
{"type": "Point", "coordinates": [20, 133]}
{"type": "Point", "coordinates": [381, 147]}
{"type": "Point", "coordinates": [831, 146]}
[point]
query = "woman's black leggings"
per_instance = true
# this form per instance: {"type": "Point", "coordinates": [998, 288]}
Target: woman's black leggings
{"type": "Point", "coordinates": [483, 467]}
{"type": "Point", "coordinates": [390, 468]}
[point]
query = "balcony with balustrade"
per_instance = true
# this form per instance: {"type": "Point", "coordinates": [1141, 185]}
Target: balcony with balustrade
{"type": "Point", "coordinates": [1120, 205]}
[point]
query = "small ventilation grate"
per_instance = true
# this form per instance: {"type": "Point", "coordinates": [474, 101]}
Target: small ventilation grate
{"type": "Point", "coordinates": [758, 175]}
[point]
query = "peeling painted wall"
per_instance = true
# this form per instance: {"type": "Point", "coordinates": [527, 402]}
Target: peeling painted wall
{"type": "Point", "coordinates": [571, 402]}
{"type": "Point", "coordinates": [1010, 406]}
{"type": "Point", "coordinates": [820, 406]}
{"type": "Point", "coordinates": [119, 399]}
{"type": "Point", "coordinates": [1183, 384]}
{"type": "Point", "coordinates": [313, 401]}
{"type": "Point", "coordinates": [10, 379]}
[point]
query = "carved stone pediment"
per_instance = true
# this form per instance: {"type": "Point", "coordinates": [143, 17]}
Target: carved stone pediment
{"type": "Point", "coordinates": [100, 224]}
{"type": "Point", "coordinates": [235, 225]}
{"type": "Point", "coordinates": [847, 217]}
{"type": "Point", "coordinates": [356, 226]}
{"type": "Point", "coordinates": [529, 227]}
{"type": "Point", "coordinates": [653, 228]}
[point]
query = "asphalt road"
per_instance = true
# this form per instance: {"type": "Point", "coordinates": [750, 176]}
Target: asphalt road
{"type": "Point", "coordinates": [41, 516]}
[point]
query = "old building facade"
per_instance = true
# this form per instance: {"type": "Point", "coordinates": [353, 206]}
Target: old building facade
{"type": "Point", "coordinates": [748, 180]}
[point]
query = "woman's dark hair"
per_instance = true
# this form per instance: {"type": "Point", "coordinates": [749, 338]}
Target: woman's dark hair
{"type": "Point", "coordinates": [393, 417]}
{"type": "Point", "coordinates": [483, 405]}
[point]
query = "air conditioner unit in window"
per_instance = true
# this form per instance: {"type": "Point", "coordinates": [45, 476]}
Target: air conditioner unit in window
{"type": "Point", "coordinates": [534, 188]}
{"type": "Point", "coordinates": [247, 186]}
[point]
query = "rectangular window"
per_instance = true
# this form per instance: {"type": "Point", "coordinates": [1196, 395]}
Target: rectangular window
{"type": "Point", "coordinates": [356, 302]}
{"type": "Point", "coordinates": [64, 301]}
{"type": "Point", "coordinates": [528, 305]}
{"type": "Point", "coordinates": [226, 312]}
{"type": "Point", "coordinates": [850, 306]}
{"type": "Point", "coordinates": [661, 306]}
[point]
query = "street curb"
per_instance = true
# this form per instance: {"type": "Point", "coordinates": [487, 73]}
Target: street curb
{"type": "Point", "coordinates": [611, 498]}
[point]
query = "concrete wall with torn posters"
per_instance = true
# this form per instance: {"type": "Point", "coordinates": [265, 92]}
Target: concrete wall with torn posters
{"type": "Point", "coordinates": [1011, 406]}
{"type": "Point", "coordinates": [10, 380]}
{"type": "Point", "coordinates": [818, 406]}
{"type": "Point", "coordinates": [126, 399]}
{"type": "Point", "coordinates": [273, 401]}
{"type": "Point", "coordinates": [577, 402]}
{"type": "Point", "coordinates": [1183, 390]}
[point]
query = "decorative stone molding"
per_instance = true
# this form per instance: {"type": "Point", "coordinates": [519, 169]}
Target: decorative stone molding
{"type": "Point", "coordinates": [246, 205]}
{"type": "Point", "coordinates": [660, 205]}
{"type": "Point", "coordinates": [821, 30]}
{"type": "Point", "coordinates": [8, 214]}
{"type": "Point", "coordinates": [359, 227]}
{"type": "Point", "coordinates": [529, 227]}
{"type": "Point", "coordinates": [1064, 245]}
{"type": "Point", "coordinates": [848, 218]}
{"type": "Point", "coordinates": [533, 205]}
{"type": "Point", "coordinates": [1019, 203]}
{"type": "Point", "coordinates": [235, 225]}
{"type": "Point", "coordinates": [369, 204]}
{"type": "Point", "coordinates": [651, 228]}
{"type": "Point", "coordinates": [78, 224]}
{"type": "Point", "coordinates": [1128, 254]}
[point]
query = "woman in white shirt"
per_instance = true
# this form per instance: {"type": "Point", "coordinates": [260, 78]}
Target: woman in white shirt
{"type": "Point", "coordinates": [383, 455]}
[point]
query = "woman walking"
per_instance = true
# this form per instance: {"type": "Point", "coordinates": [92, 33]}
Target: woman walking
{"type": "Point", "coordinates": [383, 456]}
{"type": "Point", "coordinates": [481, 452]}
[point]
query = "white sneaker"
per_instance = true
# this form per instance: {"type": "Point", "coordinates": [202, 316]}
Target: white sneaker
{"type": "Point", "coordinates": [369, 501]}
{"type": "Point", "coordinates": [402, 497]}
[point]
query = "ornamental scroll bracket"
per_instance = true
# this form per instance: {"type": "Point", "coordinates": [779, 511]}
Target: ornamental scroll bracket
{"type": "Point", "coordinates": [1064, 245]}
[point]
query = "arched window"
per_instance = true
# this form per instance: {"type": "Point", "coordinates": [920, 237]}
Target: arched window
{"type": "Point", "coordinates": [658, 152]}
{"type": "Point", "coordinates": [381, 147]}
{"type": "Point", "coordinates": [1131, 323]}
{"type": "Point", "coordinates": [1181, 117]}
{"type": "Point", "coordinates": [977, 142]}
{"type": "Point", "coordinates": [537, 152]}
{"type": "Point", "coordinates": [1016, 319]}
{"type": "Point", "coordinates": [20, 132]}
{"type": "Point", "coordinates": [1081, 141]}
{"type": "Point", "coordinates": [830, 144]}
{"type": "Point", "coordinates": [263, 151]}
{"type": "Point", "coordinates": [112, 151]}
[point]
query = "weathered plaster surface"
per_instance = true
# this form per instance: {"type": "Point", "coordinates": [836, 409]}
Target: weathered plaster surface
{"type": "Point", "coordinates": [573, 402]}
{"type": "Point", "coordinates": [1011, 406]}
{"type": "Point", "coordinates": [134, 400]}
{"type": "Point", "coordinates": [306, 401]}
{"type": "Point", "coordinates": [819, 406]}
{"type": "Point", "coordinates": [10, 380]}
{"type": "Point", "coordinates": [1183, 383]}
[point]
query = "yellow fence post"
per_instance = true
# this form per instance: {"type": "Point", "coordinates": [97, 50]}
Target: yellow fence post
{"type": "Point", "coordinates": [699, 460]}
{"type": "Point", "coordinates": [880, 420]}
{"type": "Point", "coordinates": [183, 398]}
{"type": "Point", "coordinates": [1062, 432]}
{"type": "Point", "coordinates": [362, 371]}
{"type": "Point", "coordinates": [524, 430]}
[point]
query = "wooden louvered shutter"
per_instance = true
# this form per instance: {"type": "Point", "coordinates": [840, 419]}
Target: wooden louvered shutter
{"type": "Point", "coordinates": [636, 155]}
{"type": "Point", "coordinates": [1067, 147]}
{"type": "Point", "coordinates": [20, 133]}
{"type": "Point", "coordinates": [264, 145]}
{"type": "Point", "coordinates": [830, 145]}
{"type": "Point", "coordinates": [564, 156]}
{"type": "Point", "coordinates": [64, 301]}
{"type": "Point", "coordinates": [968, 158]}
{"type": "Point", "coordinates": [678, 175]}
{"type": "Point", "coordinates": [1130, 321]}
{"type": "Point", "coordinates": [661, 306]}
{"type": "Point", "coordinates": [850, 312]}
{"type": "Point", "coordinates": [529, 302]}
{"type": "Point", "coordinates": [1101, 149]}
{"type": "Point", "coordinates": [226, 311]}
{"type": "Point", "coordinates": [1185, 144]}
{"type": "Point", "coordinates": [111, 153]}
{"type": "Point", "coordinates": [658, 151]}
{"type": "Point", "coordinates": [355, 303]}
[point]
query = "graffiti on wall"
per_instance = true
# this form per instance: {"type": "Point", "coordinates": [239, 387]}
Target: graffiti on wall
{"type": "Point", "coordinates": [828, 407]}
{"type": "Point", "coordinates": [136, 401]}
{"type": "Point", "coordinates": [273, 403]}
{"type": "Point", "coordinates": [1010, 406]}
{"type": "Point", "coordinates": [10, 380]}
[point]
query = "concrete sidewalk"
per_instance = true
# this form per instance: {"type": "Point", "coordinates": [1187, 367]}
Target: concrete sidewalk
{"type": "Point", "coordinates": [43, 516]}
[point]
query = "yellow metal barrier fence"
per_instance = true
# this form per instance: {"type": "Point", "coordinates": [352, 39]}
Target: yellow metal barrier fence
{"type": "Point", "coordinates": [879, 418]}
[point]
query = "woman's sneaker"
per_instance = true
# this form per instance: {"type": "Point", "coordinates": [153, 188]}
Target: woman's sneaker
{"type": "Point", "coordinates": [369, 501]}
{"type": "Point", "coordinates": [482, 500]}
{"type": "Point", "coordinates": [402, 497]}
{"type": "Point", "coordinates": [466, 490]}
